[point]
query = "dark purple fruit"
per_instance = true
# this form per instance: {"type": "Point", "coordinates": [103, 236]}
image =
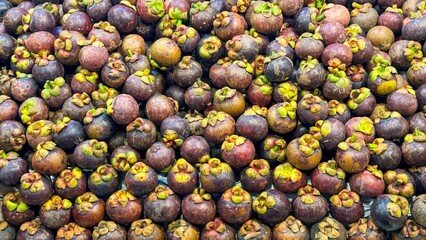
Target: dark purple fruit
{"type": "Point", "coordinates": [7, 232]}
{"type": "Point", "coordinates": [365, 228]}
{"type": "Point", "coordinates": [352, 155]}
{"type": "Point", "coordinates": [186, 38]}
{"type": "Point", "coordinates": [259, 92]}
{"type": "Point", "coordinates": [329, 228]}
{"type": "Point", "coordinates": [339, 111]}
{"type": "Point", "coordinates": [265, 17]}
{"type": "Point", "coordinates": [369, 183]}
{"type": "Point", "coordinates": [8, 108]}
{"type": "Point", "coordinates": [346, 207]}
{"type": "Point", "coordinates": [361, 102]}
{"type": "Point", "coordinates": [67, 48]}
{"type": "Point", "coordinates": [228, 24]}
{"type": "Point", "coordinates": [311, 74]}
{"type": "Point", "coordinates": [414, 149]}
{"type": "Point", "coordinates": [391, 126]}
{"type": "Point", "coordinates": [309, 206]}
{"type": "Point", "coordinates": [216, 176]}
{"type": "Point", "coordinates": [402, 100]}
{"type": "Point", "coordinates": [56, 92]}
{"type": "Point", "coordinates": [182, 177]}
{"type": "Point", "coordinates": [21, 60]}
{"type": "Point", "coordinates": [328, 178]}
{"type": "Point", "coordinates": [162, 205]}
{"type": "Point", "coordinates": [257, 176]}
{"type": "Point", "coordinates": [15, 211]}
{"type": "Point", "coordinates": [237, 151]}
{"type": "Point", "coordinates": [78, 21]}
{"type": "Point", "coordinates": [216, 126]}
{"type": "Point", "coordinates": [70, 183]}
{"type": "Point", "coordinates": [234, 206]}
{"type": "Point", "coordinates": [114, 73]}
{"type": "Point", "coordinates": [104, 181]}
{"type": "Point", "coordinates": [46, 67]}
{"type": "Point", "coordinates": [311, 109]}
{"type": "Point", "coordinates": [272, 206]}
{"type": "Point", "coordinates": [77, 106]}
{"type": "Point", "coordinates": [98, 125]}
{"type": "Point", "coordinates": [159, 107]}
{"type": "Point", "coordinates": [56, 212]}
{"type": "Point", "coordinates": [12, 136]}
{"type": "Point", "coordinates": [73, 230]}
{"type": "Point", "coordinates": [35, 189]}
{"type": "Point", "coordinates": [88, 210]}
{"type": "Point", "coordinates": [198, 208]}
{"type": "Point", "coordinates": [90, 154]}
{"type": "Point", "coordinates": [12, 167]}
{"type": "Point", "coordinates": [34, 230]}
{"type": "Point", "coordinates": [123, 158]}
{"type": "Point", "coordinates": [68, 134]}
{"type": "Point", "coordinates": [389, 212]}
{"type": "Point", "coordinates": [159, 156]}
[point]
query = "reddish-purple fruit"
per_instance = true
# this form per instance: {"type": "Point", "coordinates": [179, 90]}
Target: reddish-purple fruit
{"type": "Point", "coordinates": [124, 157]}
{"type": "Point", "coordinates": [361, 127]}
{"type": "Point", "coordinates": [90, 154]}
{"type": "Point", "coordinates": [346, 207]}
{"type": "Point", "coordinates": [73, 230]}
{"type": "Point", "coordinates": [159, 156]}
{"type": "Point", "coordinates": [181, 229]}
{"type": "Point", "coordinates": [32, 110]}
{"type": "Point", "coordinates": [365, 228]}
{"type": "Point", "coordinates": [160, 107]}
{"type": "Point", "coordinates": [123, 16]}
{"type": "Point", "coordinates": [216, 176]}
{"type": "Point", "coordinates": [15, 211]}
{"type": "Point", "coordinates": [217, 229]}
{"type": "Point", "coordinates": [68, 133]}
{"type": "Point", "coordinates": [272, 206]}
{"type": "Point", "coordinates": [34, 230]}
{"type": "Point", "coordinates": [12, 167]}
{"type": "Point", "coordinates": [288, 179]}
{"type": "Point", "coordinates": [414, 148]}
{"type": "Point", "coordinates": [145, 229]}
{"type": "Point", "coordinates": [328, 178]}
{"type": "Point", "coordinates": [70, 183]}
{"type": "Point", "coordinates": [194, 148]}
{"type": "Point", "coordinates": [140, 179]}
{"type": "Point", "coordinates": [234, 206]}
{"type": "Point", "coordinates": [309, 206]}
{"type": "Point", "coordinates": [123, 208]}
{"type": "Point", "coordinates": [12, 136]}
{"type": "Point", "coordinates": [88, 210]}
{"type": "Point", "coordinates": [98, 125]}
{"type": "Point", "coordinates": [7, 232]}
{"type": "Point", "coordinates": [217, 126]}
{"type": "Point", "coordinates": [198, 208]}
{"type": "Point", "coordinates": [257, 176]}
{"type": "Point", "coordinates": [108, 230]}
{"type": "Point", "coordinates": [123, 109]}
{"type": "Point", "coordinates": [35, 189]}
{"type": "Point", "coordinates": [254, 227]}
{"type": "Point", "coordinates": [369, 183]}
{"type": "Point", "coordinates": [8, 108]}
{"type": "Point", "coordinates": [49, 159]}
{"type": "Point", "coordinates": [237, 151]}
{"type": "Point", "coordinates": [162, 205]}
{"type": "Point", "coordinates": [182, 177]}
{"type": "Point", "coordinates": [104, 181]}
{"type": "Point", "coordinates": [352, 155]}
{"type": "Point", "coordinates": [385, 154]}
{"type": "Point", "coordinates": [78, 21]}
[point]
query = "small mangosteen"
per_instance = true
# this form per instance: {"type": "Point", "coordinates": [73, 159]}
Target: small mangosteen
{"type": "Point", "coordinates": [56, 92]}
{"type": "Point", "coordinates": [382, 80]}
{"type": "Point", "coordinates": [400, 182]}
{"type": "Point", "coordinates": [210, 49]}
{"type": "Point", "coordinates": [35, 189]}
{"type": "Point", "coordinates": [389, 212]}
{"type": "Point", "coordinates": [194, 148]}
{"type": "Point", "coordinates": [12, 136]}
{"type": "Point", "coordinates": [140, 85]}
{"type": "Point", "coordinates": [253, 124]}
{"type": "Point", "coordinates": [98, 125]}
{"type": "Point", "coordinates": [140, 179]}
{"type": "Point", "coordinates": [84, 81]}
{"type": "Point", "coordinates": [254, 229]}
{"type": "Point", "coordinates": [329, 132]}
{"type": "Point", "coordinates": [217, 230]}
{"type": "Point", "coordinates": [22, 60]}
{"type": "Point", "coordinates": [361, 127]}
{"type": "Point", "coordinates": [70, 183]}
{"type": "Point", "coordinates": [311, 74]}
{"type": "Point", "coordinates": [90, 154]}
{"type": "Point", "coordinates": [346, 206]}
{"type": "Point", "coordinates": [385, 154]}
{"type": "Point", "coordinates": [411, 229]}
{"type": "Point", "coordinates": [237, 151]}
{"type": "Point", "coordinates": [114, 73]}
{"type": "Point", "coordinates": [234, 206]}
{"type": "Point", "coordinates": [159, 107]}
{"type": "Point", "coordinates": [123, 208]}
{"type": "Point", "coordinates": [368, 183]}
{"type": "Point", "coordinates": [418, 209]}
{"type": "Point", "coordinates": [7, 232]}
{"type": "Point", "coordinates": [105, 33]}
{"type": "Point", "coordinates": [288, 179]}
{"type": "Point", "coordinates": [402, 100]}
{"type": "Point", "coordinates": [164, 53]}
{"type": "Point", "coordinates": [290, 228]}
{"type": "Point", "coordinates": [217, 125]}
{"type": "Point", "coordinates": [186, 38]}
{"type": "Point", "coordinates": [272, 206]}
{"type": "Point", "coordinates": [281, 117]}
{"type": "Point", "coordinates": [304, 152]}
{"type": "Point", "coordinates": [162, 205]}
{"type": "Point", "coordinates": [339, 111]}
{"type": "Point", "coordinates": [328, 178]}
{"type": "Point", "coordinates": [15, 211]}
{"type": "Point", "coordinates": [123, 109]}
{"type": "Point", "coordinates": [123, 158]}
{"type": "Point", "coordinates": [68, 133]}
{"type": "Point", "coordinates": [8, 107]}
{"type": "Point", "coordinates": [182, 177]}
{"type": "Point", "coordinates": [265, 17]}
{"type": "Point", "coordinates": [55, 212]}
{"type": "Point", "coordinates": [88, 210]}
{"type": "Point", "coordinates": [257, 176]}
{"type": "Point", "coordinates": [311, 109]}
{"type": "Point", "coordinates": [352, 155]}
{"type": "Point", "coordinates": [181, 229]}
{"type": "Point", "coordinates": [274, 61]}
{"type": "Point", "coordinates": [391, 125]}
{"type": "Point", "coordinates": [108, 230]}
{"type": "Point", "coordinates": [33, 109]}
{"type": "Point", "coordinates": [12, 167]}
{"type": "Point", "coordinates": [49, 159]}
{"type": "Point", "coordinates": [145, 229]}
{"type": "Point", "coordinates": [309, 206]}
{"type": "Point", "coordinates": [414, 148]}
{"type": "Point", "coordinates": [260, 90]}
{"type": "Point", "coordinates": [230, 101]}
{"type": "Point", "coordinates": [199, 207]}
{"type": "Point", "coordinates": [77, 106]}
{"type": "Point", "coordinates": [216, 176]}
{"type": "Point", "coordinates": [73, 230]}
{"type": "Point", "coordinates": [104, 181]}
{"type": "Point", "coordinates": [67, 48]}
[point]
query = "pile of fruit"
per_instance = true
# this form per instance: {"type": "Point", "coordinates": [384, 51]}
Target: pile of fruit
{"type": "Point", "coordinates": [216, 119]}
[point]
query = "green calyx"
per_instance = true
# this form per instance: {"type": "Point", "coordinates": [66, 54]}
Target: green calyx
{"type": "Point", "coordinates": [265, 86]}
{"type": "Point", "coordinates": [120, 198]}
{"type": "Point", "coordinates": [418, 64]}
{"type": "Point", "coordinates": [331, 169]}
{"type": "Point", "coordinates": [417, 136]}
{"type": "Point", "coordinates": [156, 7]}
{"type": "Point", "coordinates": [383, 69]}
{"type": "Point", "coordinates": [141, 125]}
{"type": "Point", "coordinates": [61, 124]}
{"type": "Point", "coordinates": [104, 93]}
{"type": "Point", "coordinates": [308, 194]}
{"type": "Point", "coordinates": [360, 8]}
{"type": "Point", "coordinates": [123, 161]}
{"type": "Point", "coordinates": [351, 142]}
{"type": "Point", "coordinates": [263, 202]}
{"type": "Point", "coordinates": [209, 47]}
{"type": "Point", "coordinates": [357, 96]}
{"type": "Point", "coordinates": [322, 128]}
{"type": "Point", "coordinates": [237, 195]}
{"type": "Point", "coordinates": [311, 103]}
{"type": "Point", "coordinates": [224, 93]}
{"type": "Point", "coordinates": [222, 19]}
{"type": "Point", "coordinates": [328, 229]}
{"type": "Point", "coordinates": [200, 87]}
{"type": "Point", "coordinates": [68, 178]}
{"type": "Point", "coordinates": [145, 76]}
{"type": "Point", "coordinates": [182, 170]}
{"type": "Point", "coordinates": [52, 88]}
{"type": "Point", "coordinates": [84, 75]}
{"type": "Point", "coordinates": [216, 226]}
{"type": "Point", "coordinates": [374, 171]}
{"type": "Point", "coordinates": [21, 57]}
{"type": "Point", "coordinates": [232, 141]}
{"type": "Point", "coordinates": [92, 113]}
{"type": "Point", "coordinates": [213, 117]}
{"type": "Point", "coordinates": [81, 99]}
{"type": "Point", "coordinates": [182, 33]}
{"type": "Point", "coordinates": [106, 26]}
{"type": "Point", "coordinates": [44, 148]}
{"type": "Point", "coordinates": [345, 198]}
{"type": "Point", "coordinates": [245, 65]}
{"type": "Point", "coordinates": [377, 146]}
{"type": "Point", "coordinates": [288, 91]}
{"type": "Point", "coordinates": [365, 125]}
{"type": "Point", "coordinates": [13, 202]}
{"type": "Point", "coordinates": [267, 9]}
{"type": "Point", "coordinates": [287, 109]}
{"type": "Point", "coordinates": [160, 192]}
{"type": "Point", "coordinates": [286, 172]}
{"type": "Point", "coordinates": [6, 157]}
{"type": "Point", "coordinates": [397, 206]}
{"type": "Point", "coordinates": [384, 114]}
{"type": "Point", "coordinates": [171, 138]}
{"type": "Point", "coordinates": [275, 148]}
{"type": "Point", "coordinates": [256, 110]}
{"type": "Point", "coordinates": [40, 128]}
{"type": "Point", "coordinates": [94, 148]}
{"type": "Point", "coordinates": [167, 24]}
{"type": "Point", "coordinates": [104, 173]}
{"type": "Point", "coordinates": [258, 168]}
{"type": "Point", "coordinates": [140, 171]}
{"type": "Point", "coordinates": [336, 107]}
{"type": "Point", "coordinates": [28, 108]}
{"type": "Point", "coordinates": [339, 78]}
{"type": "Point", "coordinates": [199, 195]}
{"type": "Point", "coordinates": [214, 166]}
{"type": "Point", "coordinates": [309, 64]}
{"type": "Point", "coordinates": [413, 50]}
{"type": "Point", "coordinates": [85, 202]}
{"type": "Point", "coordinates": [56, 203]}
{"type": "Point", "coordinates": [308, 144]}
{"type": "Point", "coordinates": [32, 182]}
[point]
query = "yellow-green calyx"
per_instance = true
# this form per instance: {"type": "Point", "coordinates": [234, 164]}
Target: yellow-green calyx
{"type": "Point", "coordinates": [286, 172]}
{"type": "Point", "coordinates": [104, 93]}
{"type": "Point", "coordinates": [144, 227]}
{"type": "Point", "coordinates": [141, 125]}
{"type": "Point", "coordinates": [251, 229]}
{"type": "Point", "coordinates": [68, 178]}
{"type": "Point", "coordinates": [237, 195]}
{"type": "Point", "coordinates": [308, 144]}
{"type": "Point", "coordinates": [291, 224]}
{"type": "Point", "coordinates": [355, 44]}
{"type": "Point", "coordinates": [123, 161]}
{"type": "Point", "coordinates": [224, 93]}
{"type": "Point", "coordinates": [209, 47]}
{"type": "Point", "coordinates": [31, 227]}
{"type": "Point", "coordinates": [160, 192]}
{"type": "Point", "coordinates": [199, 195]}
{"type": "Point", "coordinates": [336, 107]}
{"type": "Point", "coordinates": [288, 91]}
{"type": "Point", "coordinates": [121, 197]}
{"type": "Point", "coordinates": [214, 117]}
{"type": "Point", "coordinates": [21, 57]}
{"type": "Point", "coordinates": [345, 198]}
{"type": "Point", "coordinates": [320, 129]}
{"type": "Point", "coordinates": [63, 44]}
{"type": "Point", "coordinates": [360, 8]}
{"type": "Point", "coordinates": [258, 168]}
{"type": "Point", "coordinates": [106, 26]}
{"type": "Point", "coordinates": [198, 7]}
{"type": "Point", "coordinates": [32, 182]}
{"type": "Point", "coordinates": [267, 9]}
{"type": "Point", "coordinates": [383, 114]}
{"type": "Point", "coordinates": [61, 124]}
{"type": "Point", "coordinates": [377, 146]}
{"type": "Point", "coordinates": [412, 230]}
{"type": "Point", "coordinates": [417, 136]}
{"type": "Point", "coordinates": [385, 72]}
{"type": "Point", "coordinates": [94, 148]}
{"type": "Point", "coordinates": [214, 166]}
{"type": "Point", "coordinates": [263, 202]}
{"type": "Point", "coordinates": [373, 169]}
{"type": "Point", "coordinates": [364, 125]}
{"type": "Point", "coordinates": [418, 64]}
{"type": "Point", "coordinates": [308, 194]}
{"type": "Point", "coordinates": [92, 113]}
{"type": "Point", "coordinates": [140, 171]}
{"type": "Point", "coordinates": [351, 142]}
{"type": "Point", "coordinates": [40, 128]}
{"type": "Point", "coordinates": [56, 203]}
{"type": "Point", "coordinates": [43, 149]}
{"type": "Point", "coordinates": [13, 202]}
{"type": "Point", "coordinates": [28, 108]}
{"type": "Point", "coordinates": [232, 141]}
{"type": "Point", "coordinates": [256, 110]}
{"type": "Point", "coordinates": [181, 229]}
{"type": "Point", "coordinates": [244, 64]}
{"type": "Point", "coordinates": [70, 231]}
{"type": "Point", "coordinates": [199, 87]}
{"type": "Point", "coordinates": [353, 30]}
{"type": "Point", "coordinates": [52, 88]}
{"type": "Point", "coordinates": [398, 183]}
{"type": "Point", "coordinates": [85, 202]}
{"type": "Point", "coordinates": [217, 225]}
{"type": "Point", "coordinates": [310, 63]}
{"type": "Point", "coordinates": [397, 206]}
{"type": "Point", "coordinates": [362, 226]}
{"type": "Point", "coordinates": [287, 109]}
{"type": "Point", "coordinates": [328, 229]}
{"type": "Point", "coordinates": [103, 228]}
{"type": "Point", "coordinates": [276, 148]}
{"type": "Point", "coordinates": [84, 75]}
{"type": "Point", "coordinates": [81, 99]}
{"type": "Point", "coordinates": [6, 157]}
{"type": "Point", "coordinates": [357, 96]}
{"type": "Point", "coordinates": [331, 169]}
{"type": "Point", "coordinates": [116, 66]}
{"type": "Point", "coordinates": [171, 138]}
{"type": "Point", "coordinates": [156, 7]}
{"type": "Point", "coordinates": [182, 170]}
{"type": "Point", "coordinates": [104, 173]}
{"type": "Point", "coordinates": [145, 76]}
{"type": "Point", "coordinates": [182, 33]}
{"type": "Point", "coordinates": [222, 19]}
{"type": "Point", "coordinates": [337, 74]}
{"type": "Point", "coordinates": [43, 58]}
{"type": "Point", "coordinates": [413, 50]}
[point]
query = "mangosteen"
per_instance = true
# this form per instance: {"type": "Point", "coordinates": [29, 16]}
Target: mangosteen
{"type": "Point", "coordinates": [411, 229]}
{"type": "Point", "coordinates": [239, 74]}
{"type": "Point", "coordinates": [361, 127]}
{"type": "Point", "coordinates": [254, 229]}
{"type": "Point", "coordinates": [265, 17]}
{"type": "Point", "coordinates": [274, 61]}
{"type": "Point", "coordinates": [159, 107]}
{"type": "Point", "coordinates": [290, 228]}
{"type": "Point", "coordinates": [199, 207]}
{"type": "Point", "coordinates": [56, 92]}
{"type": "Point", "coordinates": [352, 155]}
{"type": "Point", "coordinates": [382, 80]}
{"type": "Point", "coordinates": [123, 207]}
{"type": "Point", "coordinates": [194, 148]}
{"type": "Point", "coordinates": [339, 111]}
{"type": "Point", "coordinates": [68, 133]}
{"type": "Point", "coordinates": [108, 230]}
{"type": "Point", "coordinates": [384, 153]}
{"type": "Point", "coordinates": [234, 206]}
{"type": "Point", "coordinates": [88, 210]}
{"type": "Point", "coordinates": [186, 38]}
{"type": "Point", "coordinates": [123, 109]}
{"type": "Point", "coordinates": [281, 117]}
{"type": "Point", "coordinates": [33, 109]}
{"type": "Point", "coordinates": [73, 230]}
{"type": "Point", "coordinates": [46, 67]}
{"type": "Point", "coordinates": [253, 124]}
{"type": "Point", "coordinates": [162, 205]}
{"type": "Point", "coordinates": [49, 159]}
{"type": "Point", "coordinates": [365, 228]}
{"type": "Point", "coordinates": [198, 96]}
{"type": "Point", "coordinates": [257, 176]}
{"type": "Point", "coordinates": [217, 229]}
{"type": "Point", "coordinates": [23, 87]}
{"type": "Point", "coordinates": [416, 121]}
{"type": "Point", "coordinates": [328, 178]}
{"type": "Point", "coordinates": [77, 106]}
{"type": "Point", "coordinates": [304, 152]}
{"type": "Point", "coordinates": [13, 22]}
{"type": "Point", "coordinates": [402, 100]}
{"type": "Point", "coordinates": [35, 189]}
{"type": "Point", "coordinates": [226, 25]}
{"type": "Point", "coordinates": [216, 176]}
{"type": "Point", "coordinates": [337, 85]}
{"type": "Point", "coordinates": [7, 232]}
{"type": "Point", "coordinates": [90, 154]}
{"type": "Point", "coordinates": [98, 125]}
{"type": "Point", "coordinates": [182, 177]}
{"type": "Point", "coordinates": [309, 206]}
{"type": "Point", "coordinates": [105, 33]}
{"type": "Point", "coordinates": [145, 229]}
{"type": "Point", "coordinates": [181, 229]}
{"type": "Point", "coordinates": [104, 181]}
{"type": "Point", "coordinates": [328, 228]}
{"type": "Point", "coordinates": [140, 85]}
{"type": "Point", "coordinates": [140, 179]}
{"type": "Point", "coordinates": [160, 157]}
{"type": "Point", "coordinates": [12, 167]}
{"type": "Point", "coordinates": [141, 133]}
{"type": "Point", "coordinates": [8, 108]}
{"type": "Point", "coordinates": [67, 48]}
{"type": "Point", "coordinates": [34, 230]}
{"type": "Point", "coordinates": [164, 53]}
{"type": "Point", "coordinates": [346, 206]}
{"type": "Point", "coordinates": [237, 151]}
{"type": "Point", "coordinates": [389, 211]}
{"type": "Point", "coordinates": [217, 125]}
{"type": "Point", "coordinates": [259, 92]}
{"type": "Point", "coordinates": [123, 158]}
{"type": "Point", "coordinates": [84, 81]}
{"type": "Point", "coordinates": [416, 72]}
{"type": "Point", "coordinates": [12, 136]}
{"type": "Point", "coordinates": [311, 109]}
{"type": "Point", "coordinates": [70, 183]}
{"type": "Point", "coordinates": [114, 73]}
{"type": "Point", "coordinates": [368, 183]}
{"type": "Point", "coordinates": [102, 94]}
{"type": "Point", "coordinates": [288, 179]}
{"type": "Point", "coordinates": [414, 149]}
{"type": "Point", "coordinates": [22, 60]}
{"type": "Point", "coordinates": [272, 206]}
{"type": "Point", "coordinates": [311, 74]}
{"type": "Point", "coordinates": [399, 182]}
{"type": "Point", "coordinates": [15, 211]}
{"type": "Point", "coordinates": [55, 212]}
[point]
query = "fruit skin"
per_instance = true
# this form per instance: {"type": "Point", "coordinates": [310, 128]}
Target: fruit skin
{"type": "Point", "coordinates": [198, 208]}
{"type": "Point", "coordinates": [88, 210]}
{"type": "Point", "coordinates": [49, 159]}
{"type": "Point", "coordinates": [328, 178]}
{"type": "Point", "coordinates": [123, 208]}
{"type": "Point", "coordinates": [7, 232]}
{"type": "Point", "coordinates": [145, 229]}
{"type": "Point", "coordinates": [254, 227]}
{"type": "Point", "coordinates": [381, 211]}
{"type": "Point", "coordinates": [414, 149]}
{"type": "Point", "coordinates": [418, 208]}
{"type": "Point", "coordinates": [369, 183]}
{"type": "Point", "coordinates": [277, 206]}
{"type": "Point", "coordinates": [162, 205]}
{"type": "Point", "coordinates": [304, 152]}
{"type": "Point", "coordinates": [346, 207]}
{"type": "Point", "coordinates": [14, 215]}
{"type": "Point", "coordinates": [108, 230]}
{"type": "Point", "coordinates": [34, 230]}
{"type": "Point", "coordinates": [123, 109]}
{"type": "Point", "coordinates": [217, 229]}
{"type": "Point", "coordinates": [56, 212]}
{"type": "Point", "coordinates": [288, 179]}
{"type": "Point", "coordinates": [216, 176]}
{"type": "Point", "coordinates": [35, 189]}
{"type": "Point", "coordinates": [140, 179]}
{"type": "Point", "coordinates": [385, 154]}
{"type": "Point", "coordinates": [290, 228]}
{"type": "Point", "coordinates": [12, 167]}
{"type": "Point", "coordinates": [70, 183]}
{"type": "Point", "coordinates": [234, 206]}
{"type": "Point", "coordinates": [365, 228]}
{"type": "Point", "coordinates": [352, 155]}
{"type": "Point", "coordinates": [237, 151]}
